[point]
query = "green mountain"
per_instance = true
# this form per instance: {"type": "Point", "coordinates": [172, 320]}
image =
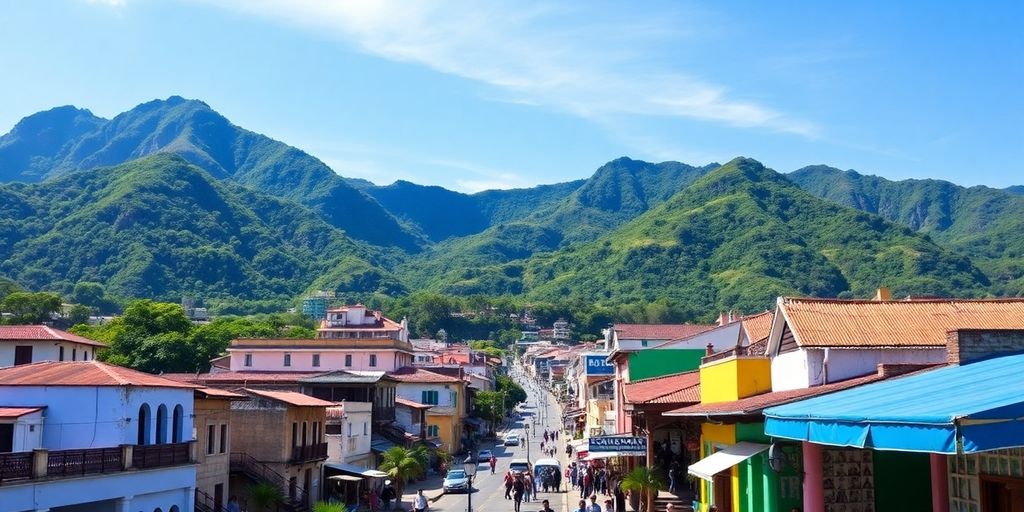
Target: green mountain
{"type": "Point", "coordinates": [737, 238]}
{"type": "Point", "coordinates": [980, 222]}
{"type": "Point", "coordinates": [65, 140]}
{"type": "Point", "coordinates": [553, 217]}
{"type": "Point", "coordinates": [1017, 190]}
{"type": "Point", "coordinates": [161, 227]}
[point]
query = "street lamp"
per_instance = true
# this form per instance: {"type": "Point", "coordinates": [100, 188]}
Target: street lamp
{"type": "Point", "coordinates": [470, 466]}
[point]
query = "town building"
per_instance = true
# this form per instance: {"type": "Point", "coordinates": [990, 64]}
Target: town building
{"type": "Point", "coordinates": [95, 437]}
{"type": "Point", "coordinates": [26, 344]}
{"type": "Point", "coordinates": [279, 440]}
{"type": "Point", "coordinates": [349, 434]}
{"type": "Point", "coordinates": [212, 430]}
{"type": "Point", "coordinates": [447, 397]}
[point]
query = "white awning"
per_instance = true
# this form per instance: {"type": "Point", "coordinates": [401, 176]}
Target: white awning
{"type": "Point", "coordinates": [724, 459]}
{"type": "Point", "coordinates": [601, 455]}
{"type": "Point", "coordinates": [347, 478]}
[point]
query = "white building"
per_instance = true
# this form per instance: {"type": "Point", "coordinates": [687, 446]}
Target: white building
{"type": "Point", "coordinates": [26, 344]}
{"type": "Point", "coordinates": [348, 433]}
{"type": "Point", "coordinates": [97, 437]}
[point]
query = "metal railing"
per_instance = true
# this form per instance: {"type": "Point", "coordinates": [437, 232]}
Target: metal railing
{"type": "Point", "coordinates": [160, 455]}
{"type": "Point", "coordinates": [296, 497]}
{"type": "Point", "coordinates": [309, 452]}
{"type": "Point", "coordinates": [15, 466]}
{"type": "Point", "coordinates": [83, 462]}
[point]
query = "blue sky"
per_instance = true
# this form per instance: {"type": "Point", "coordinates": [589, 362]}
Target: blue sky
{"type": "Point", "coordinates": [473, 95]}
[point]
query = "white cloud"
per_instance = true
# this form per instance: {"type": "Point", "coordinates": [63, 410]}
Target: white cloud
{"type": "Point", "coordinates": [108, 3]}
{"type": "Point", "coordinates": [536, 55]}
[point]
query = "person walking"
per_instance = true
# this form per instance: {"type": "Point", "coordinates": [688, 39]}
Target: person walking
{"type": "Point", "coordinates": [509, 481]}
{"type": "Point", "coordinates": [387, 494]}
{"type": "Point", "coordinates": [594, 507]}
{"type": "Point", "coordinates": [493, 461]}
{"type": "Point", "coordinates": [547, 506]}
{"type": "Point", "coordinates": [518, 488]}
{"type": "Point", "coordinates": [588, 483]}
{"type": "Point", "coordinates": [531, 489]}
{"type": "Point", "coordinates": [556, 477]}
{"type": "Point", "coordinates": [582, 506]}
{"type": "Point", "coordinates": [419, 504]}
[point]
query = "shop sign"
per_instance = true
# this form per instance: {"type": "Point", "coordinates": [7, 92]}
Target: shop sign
{"type": "Point", "coordinates": [621, 444]}
{"type": "Point", "coordinates": [598, 365]}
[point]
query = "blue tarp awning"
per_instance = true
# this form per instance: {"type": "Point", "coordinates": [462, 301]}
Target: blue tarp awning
{"type": "Point", "coordinates": [979, 406]}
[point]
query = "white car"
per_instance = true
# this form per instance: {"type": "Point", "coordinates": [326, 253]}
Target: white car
{"type": "Point", "coordinates": [456, 481]}
{"type": "Point", "coordinates": [483, 456]}
{"type": "Point", "coordinates": [512, 440]}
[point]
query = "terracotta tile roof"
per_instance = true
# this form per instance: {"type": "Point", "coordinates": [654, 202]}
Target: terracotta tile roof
{"type": "Point", "coordinates": [82, 373]}
{"type": "Point", "coordinates": [410, 403]}
{"type": "Point", "coordinates": [755, 404]}
{"type": "Point", "coordinates": [220, 378]}
{"type": "Point", "coordinates": [291, 398]}
{"type": "Point", "coordinates": [8, 413]}
{"type": "Point", "coordinates": [758, 326]}
{"type": "Point", "coordinates": [419, 375]}
{"type": "Point", "coordinates": [678, 388]}
{"type": "Point", "coordinates": [898, 323]}
{"type": "Point", "coordinates": [659, 331]}
{"type": "Point", "coordinates": [217, 393]}
{"type": "Point", "coordinates": [42, 333]}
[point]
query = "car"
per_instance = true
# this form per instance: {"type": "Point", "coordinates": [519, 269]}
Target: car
{"type": "Point", "coordinates": [483, 456]}
{"type": "Point", "coordinates": [520, 466]}
{"type": "Point", "coordinates": [456, 481]}
{"type": "Point", "coordinates": [512, 440]}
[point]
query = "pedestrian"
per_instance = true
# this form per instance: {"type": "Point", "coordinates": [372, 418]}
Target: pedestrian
{"type": "Point", "coordinates": [493, 461]}
{"type": "Point", "coordinates": [233, 505]}
{"type": "Point", "coordinates": [557, 477]}
{"type": "Point", "coordinates": [547, 506]}
{"type": "Point", "coordinates": [518, 488]}
{"type": "Point", "coordinates": [620, 497]}
{"type": "Point", "coordinates": [530, 489]}
{"type": "Point", "coordinates": [588, 483]}
{"type": "Point", "coordinates": [673, 472]}
{"type": "Point", "coordinates": [594, 507]}
{"type": "Point", "coordinates": [608, 506]}
{"type": "Point", "coordinates": [582, 506]}
{"type": "Point", "coordinates": [387, 494]}
{"type": "Point", "coordinates": [419, 504]}
{"type": "Point", "coordinates": [371, 499]}
{"type": "Point", "coordinates": [509, 481]}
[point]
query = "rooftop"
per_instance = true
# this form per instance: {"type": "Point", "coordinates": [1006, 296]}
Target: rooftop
{"type": "Point", "coordinates": [82, 373]}
{"type": "Point", "coordinates": [659, 331]}
{"type": "Point", "coordinates": [243, 378]}
{"type": "Point", "coordinates": [758, 327]}
{"type": "Point", "coordinates": [678, 388]}
{"type": "Point", "coordinates": [8, 413]}
{"type": "Point", "coordinates": [291, 398]}
{"type": "Point", "coordinates": [344, 377]}
{"type": "Point", "coordinates": [42, 333]}
{"type": "Point", "coordinates": [410, 403]}
{"type": "Point", "coordinates": [419, 375]}
{"type": "Point", "coordinates": [894, 323]}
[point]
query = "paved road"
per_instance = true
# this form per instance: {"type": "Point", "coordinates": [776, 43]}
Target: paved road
{"type": "Point", "coordinates": [541, 408]}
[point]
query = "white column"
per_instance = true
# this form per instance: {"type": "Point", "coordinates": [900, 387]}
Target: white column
{"type": "Point", "coordinates": [125, 504]}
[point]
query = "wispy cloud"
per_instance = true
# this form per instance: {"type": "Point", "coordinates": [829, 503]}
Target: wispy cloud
{"type": "Point", "coordinates": [537, 55]}
{"type": "Point", "coordinates": [108, 3]}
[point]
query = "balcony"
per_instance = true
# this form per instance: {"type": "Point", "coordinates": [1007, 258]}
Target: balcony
{"type": "Point", "coordinates": [39, 464]}
{"type": "Point", "coordinates": [308, 453]}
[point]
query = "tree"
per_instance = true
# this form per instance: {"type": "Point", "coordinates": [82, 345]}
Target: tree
{"type": "Point", "coordinates": [264, 495]}
{"type": "Point", "coordinates": [487, 405]}
{"type": "Point", "coordinates": [403, 464]}
{"type": "Point", "coordinates": [645, 481]}
{"type": "Point", "coordinates": [30, 308]}
{"type": "Point", "coordinates": [79, 314]}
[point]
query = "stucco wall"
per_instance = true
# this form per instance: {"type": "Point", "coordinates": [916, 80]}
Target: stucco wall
{"type": "Point", "coordinates": [149, 489]}
{"type": "Point", "coordinates": [302, 360]}
{"type": "Point", "coordinates": [47, 351]}
{"type": "Point", "coordinates": [734, 378]}
{"type": "Point", "coordinates": [212, 469]}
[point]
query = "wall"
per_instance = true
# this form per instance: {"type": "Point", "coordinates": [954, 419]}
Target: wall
{"type": "Point", "coordinates": [734, 378]}
{"type": "Point", "coordinates": [28, 432]}
{"type": "Point", "coordinates": [446, 393]}
{"type": "Point", "coordinates": [46, 351]}
{"type": "Point", "coordinates": [805, 367]}
{"type": "Point", "coordinates": [163, 487]}
{"type": "Point", "coordinates": [260, 432]}
{"type": "Point", "coordinates": [330, 359]}
{"type": "Point", "coordinates": [789, 371]}
{"type": "Point", "coordinates": [902, 482]}
{"type": "Point", "coordinates": [446, 430]}
{"type": "Point", "coordinates": [357, 414]}
{"type": "Point", "coordinates": [713, 436]}
{"type": "Point", "coordinates": [646, 364]}
{"type": "Point", "coordinates": [965, 346]}
{"type": "Point", "coordinates": [94, 416]}
{"type": "Point", "coordinates": [212, 469]}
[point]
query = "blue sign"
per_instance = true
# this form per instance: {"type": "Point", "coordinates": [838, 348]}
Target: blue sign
{"type": "Point", "coordinates": [620, 444]}
{"type": "Point", "coordinates": [598, 365]}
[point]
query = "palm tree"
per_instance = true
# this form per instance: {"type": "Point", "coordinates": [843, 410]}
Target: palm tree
{"type": "Point", "coordinates": [645, 481]}
{"type": "Point", "coordinates": [402, 465]}
{"type": "Point", "coordinates": [264, 495]}
{"type": "Point", "coordinates": [322, 506]}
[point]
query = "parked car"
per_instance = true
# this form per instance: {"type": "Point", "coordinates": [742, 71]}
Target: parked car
{"type": "Point", "coordinates": [456, 481]}
{"type": "Point", "coordinates": [483, 456]}
{"type": "Point", "coordinates": [520, 466]}
{"type": "Point", "coordinates": [512, 440]}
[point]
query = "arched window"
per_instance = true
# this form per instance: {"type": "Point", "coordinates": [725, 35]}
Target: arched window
{"type": "Point", "coordinates": [144, 419]}
{"type": "Point", "coordinates": [174, 508]}
{"type": "Point", "coordinates": [157, 510]}
{"type": "Point", "coordinates": [178, 424]}
{"type": "Point", "coordinates": [161, 424]}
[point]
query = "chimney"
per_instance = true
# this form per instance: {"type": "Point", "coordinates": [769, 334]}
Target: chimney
{"type": "Point", "coordinates": [709, 350]}
{"type": "Point", "coordinates": [883, 294]}
{"type": "Point", "coordinates": [722, 318]}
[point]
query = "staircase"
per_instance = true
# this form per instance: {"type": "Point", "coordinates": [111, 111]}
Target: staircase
{"type": "Point", "coordinates": [204, 503]}
{"type": "Point", "coordinates": [295, 499]}
{"type": "Point", "coordinates": [681, 503]}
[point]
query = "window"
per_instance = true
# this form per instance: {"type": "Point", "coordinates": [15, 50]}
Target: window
{"type": "Point", "coordinates": [211, 434]}
{"type": "Point", "coordinates": [373, 360]}
{"type": "Point", "coordinates": [433, 431]}
{"type": "Point", "coordinates": [316, 432]}
{"type": "Point", "coordinates": [177, 423]}
{"type": "Point", "coordinates": [223, 438]}
{"type": "Point", "coordinates": [643, 343]}
{"type": "Point", "coordinates": [143, 424]}
{"type": "Point", "coordinates": [348, 359]}
{"type": "Point", "coordinates": [74, 354]}
{"type": "Point", "coordinates": [287, 359]}
{"type": "Point", "coordinates": [161, 424]}
{"type": "Point", "coordinates": [304, 439]}
{"type": "Point", "coordinates": [295, 434]}
{"type": "Point", "coordinates": [60, 354]}
{"type": "Point", "coordinates": [85, 355]}
{"type": "Point", "coordinates": [455, 398]}
{"type": "Point", "coordinates": [316, 360]}
{"type": "Point", "coordinates": [22, 354]}
{"type": "Point", "coordinates": [248, 359]}
{"type": "Point", "coordinates": [428, 397]}
{"type": "Point", "coordinates": [365, 426]}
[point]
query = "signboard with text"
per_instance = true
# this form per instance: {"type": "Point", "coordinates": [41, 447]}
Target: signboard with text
{"type": "Point", "coordinates": [621, 444]}
{"type": "Point", "coordinates": [598, 365]}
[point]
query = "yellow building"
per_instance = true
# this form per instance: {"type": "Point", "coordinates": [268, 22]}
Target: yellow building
{"type": "Point", "coordinates": [447, 396]}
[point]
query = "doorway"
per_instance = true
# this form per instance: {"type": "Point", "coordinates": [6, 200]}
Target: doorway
{"type": "Point", "coordinates": [218, 497]}
{"type": "Point", "coordinates": [1001, 494]}
{"type": "Point", "coordinates": [722, 491]}
{"type": "Point", "coordinates": [6, 437]}
{"type": "Point", "coordinates": [22, 354]}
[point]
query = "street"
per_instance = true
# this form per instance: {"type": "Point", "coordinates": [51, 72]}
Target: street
{"type": "Point", "coordinates": [540, 412]}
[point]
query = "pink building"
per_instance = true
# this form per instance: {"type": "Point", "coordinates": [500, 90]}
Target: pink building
{"type": "Point", "coordinates": [350, 338]}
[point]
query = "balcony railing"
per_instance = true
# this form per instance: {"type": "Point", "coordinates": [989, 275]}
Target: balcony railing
{"type": "Point", "coordinates": [84, 462]}
{"type": "Point", "coordinates": [308, 452]}
{"type": "Point", "coordinates": [72, 463]}
{"type": "Point", "coordinates": [15, 466]}
{"type": "Point", "coordinates": [160, 455]}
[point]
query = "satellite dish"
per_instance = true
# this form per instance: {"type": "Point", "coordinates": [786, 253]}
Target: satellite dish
{"type": "Point", "coordinates": [776, 458]}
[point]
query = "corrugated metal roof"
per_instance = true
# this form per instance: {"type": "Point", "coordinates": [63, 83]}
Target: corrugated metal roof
{"type": "Point", "coordinates": [82, 373]}
{"type": "Point", "coordinates": [42, 333]}
{"type": "Point", "coordinates": [291, 398]}
{"type": "Point", "coordinates": [896, 323]}
{"type": "Point", "coordinates": [17, 412]}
